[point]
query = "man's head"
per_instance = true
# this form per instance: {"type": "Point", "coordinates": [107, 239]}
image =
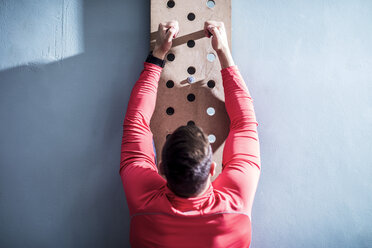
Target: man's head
{"type": "Point", "coordinates": [187, 161]}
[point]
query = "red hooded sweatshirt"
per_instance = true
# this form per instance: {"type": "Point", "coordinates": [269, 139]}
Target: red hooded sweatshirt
{"type": "Point", "coordinates": [221, 217]}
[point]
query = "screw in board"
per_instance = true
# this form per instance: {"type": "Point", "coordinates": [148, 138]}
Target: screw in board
{"type": "Point", "coordinates": [190, 80]}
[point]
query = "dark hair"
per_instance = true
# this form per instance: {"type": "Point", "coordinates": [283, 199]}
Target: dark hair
{"type": "Point", "coordinates": [186, 160]}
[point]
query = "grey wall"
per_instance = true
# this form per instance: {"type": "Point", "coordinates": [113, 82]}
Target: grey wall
{"type": "Point", "coordinates": [66, 71]}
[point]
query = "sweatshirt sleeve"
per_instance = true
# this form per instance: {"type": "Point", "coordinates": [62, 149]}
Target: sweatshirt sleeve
{"type": "Point", "coordinates": [241, 154]}
{"type": "Point", "coordinates": [138, 170]}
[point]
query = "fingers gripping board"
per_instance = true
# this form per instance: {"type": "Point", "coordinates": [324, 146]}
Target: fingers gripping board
{"type": "Point", "coordinates": [202, 101]}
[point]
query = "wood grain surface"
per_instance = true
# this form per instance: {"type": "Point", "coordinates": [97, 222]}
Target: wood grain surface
{"type": "Point", "coordinates": [178, 97]}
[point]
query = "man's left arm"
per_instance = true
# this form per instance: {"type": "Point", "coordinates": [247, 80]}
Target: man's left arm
{"type": "Point", "coordinates": [138, 170]}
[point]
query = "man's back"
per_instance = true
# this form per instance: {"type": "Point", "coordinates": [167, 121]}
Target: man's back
{"type": "Point", "coordinates": [212, 223]}
{"type": "Point", "coordinates": [220, 217]}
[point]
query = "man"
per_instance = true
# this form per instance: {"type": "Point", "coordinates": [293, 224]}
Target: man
{"type": "Point", "coordinates": [187, 209]}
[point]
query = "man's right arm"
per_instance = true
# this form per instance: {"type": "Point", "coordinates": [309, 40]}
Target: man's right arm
{"type": "Point", "coordinates": [241, 155]}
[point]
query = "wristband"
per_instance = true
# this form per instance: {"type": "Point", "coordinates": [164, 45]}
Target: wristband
{"type": "Point", "coordinates": [154, 60]}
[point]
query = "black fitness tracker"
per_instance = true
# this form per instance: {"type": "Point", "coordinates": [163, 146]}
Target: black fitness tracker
{"type": "Point", "coordinates": [155, 60]}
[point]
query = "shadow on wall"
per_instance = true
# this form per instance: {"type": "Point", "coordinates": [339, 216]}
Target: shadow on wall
{"type": "Point", "coordinates": [61, 119]}
{"type": "Point", "coordinates": [41, 33]}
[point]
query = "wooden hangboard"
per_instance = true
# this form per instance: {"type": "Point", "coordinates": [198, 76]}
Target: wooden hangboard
{"type": "Point", "coordinates": [177, 71]}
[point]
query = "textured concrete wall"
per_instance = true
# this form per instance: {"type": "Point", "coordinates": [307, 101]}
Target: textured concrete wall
{"type": "Point", "coordinates": [308, 65]}
{"type": "Point", "coordinates": [66, 71]}
{"type": "Point", "coordinates": [39, 32]}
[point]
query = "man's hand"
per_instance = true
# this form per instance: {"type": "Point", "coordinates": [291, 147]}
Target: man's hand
{"type": "Point", "coordinates": [217, 31]}
{"type": "Point", "coordinates": [167, 31]}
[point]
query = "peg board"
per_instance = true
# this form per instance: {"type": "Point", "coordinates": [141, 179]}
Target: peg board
{"type": "Point", "coordinates": [190, 102]}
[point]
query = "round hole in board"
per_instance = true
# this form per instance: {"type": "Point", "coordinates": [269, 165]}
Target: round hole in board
{"type": "Point", "coordinates": [171, 4]}
{"type": "Point", "coordinates": [191, 43]}
{"type": "Point", "coordinates": [191, 97]}
{"type": "Point", "coordinates": [170, 57]}
{"type": "Point", "coordinates": [191, 16]}
{"type": "Point", "coordinates": [211, 57]}
{"type": "Point", "coordinates": [191, 70]}
{"type": "Point", "coordinates": [190, 123]}
{"type": "Point", "coordinates": [170, 111]}
{"type": "Point", "coordinates": [170, 84]}
{"type": "Point", "coordinates": [211, 111]}
{"type": "Point", "coordinates": [211, 84]}
{"type": "Point", "coordinates": [211, 138]}
{"type": "Point", "coordinates": [211, 3]}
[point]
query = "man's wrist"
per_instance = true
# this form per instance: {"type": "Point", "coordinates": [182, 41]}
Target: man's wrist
{"type": "Point", "coordinates": [223, 52]}
{"type": "Point", "coordinates": [160, 55]}
{"type": "Point", "coordinates": [225, 58]}
{"type": "Point", "coordinates": [155, 60]}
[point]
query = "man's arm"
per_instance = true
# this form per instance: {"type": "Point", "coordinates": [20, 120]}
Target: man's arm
{"type": "Point", "coordinates": [138, 171]}
{"type": "Point", "coordinates": [137, 166]}
{"type": "Point", "coordinates": [241, 155]}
